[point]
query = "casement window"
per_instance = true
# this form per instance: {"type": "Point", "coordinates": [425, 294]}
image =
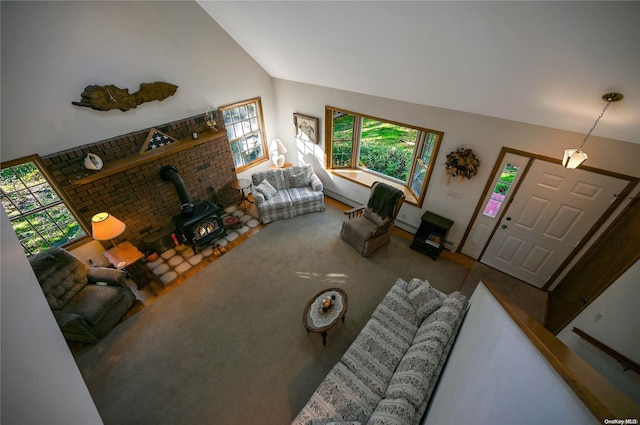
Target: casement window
{"type": "Point", "coordinates": [399, 153]}
{"type": "Point", "coordinates": [37, 211]}
{"type": "Point", "coordinates": [245, 131]}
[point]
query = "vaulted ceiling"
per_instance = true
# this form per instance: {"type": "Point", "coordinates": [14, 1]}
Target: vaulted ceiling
{"type": "Point", "coordinates": [545, 63]}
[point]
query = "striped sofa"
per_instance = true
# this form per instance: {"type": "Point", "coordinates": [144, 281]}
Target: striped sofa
{"type": "Point", "coordinates": [287, 192]}
{"type": "Point", "coordinates": [388, 374]}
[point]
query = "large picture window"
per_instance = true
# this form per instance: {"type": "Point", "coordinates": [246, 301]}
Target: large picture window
{"type": "Point", "coordinates": [36, 210]}
{"type": "Point", "coordinates": [397, 152]}
{"type": "Point", "coordinates": [245, 126]}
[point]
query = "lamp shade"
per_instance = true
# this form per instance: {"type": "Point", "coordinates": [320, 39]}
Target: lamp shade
{"type": "Point", "coordinates": [573, 158]}
{"type": "Point", "coordinates": [281, 148]}
{"type": "Point", "coordinates": [104, 226]}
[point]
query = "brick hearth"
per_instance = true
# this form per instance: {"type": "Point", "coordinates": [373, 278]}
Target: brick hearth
{"type": "Point", "coordinates": [137, 195]}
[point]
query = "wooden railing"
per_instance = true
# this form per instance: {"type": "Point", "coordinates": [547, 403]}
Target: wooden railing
{"type": "Point", "coordinates": [600, 396]}
{"type": "Point", "coordinates": [625, 361]}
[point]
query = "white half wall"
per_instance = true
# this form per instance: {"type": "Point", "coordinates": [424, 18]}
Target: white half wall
{"type": "Point", "coordinates": [495, 375]}
{"type": "Point", "coordinates": [41, 383]}
{"type": "Point", "coordinates": [613, 319]}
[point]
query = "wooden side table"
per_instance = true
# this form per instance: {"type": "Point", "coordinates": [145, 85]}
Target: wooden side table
{"type": "Point", "coordinates": [127, 257]}
{"type": "Point", "coordinates": [242, 185]}
{"type": "Point", "coordinates": [286, 165]}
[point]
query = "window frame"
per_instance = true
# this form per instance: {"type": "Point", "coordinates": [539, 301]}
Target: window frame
{"type": "Point", "coordinates": [354, 169]}
{"type": "Point", "coordinates": [261, 132]}
{"type": "Point", "coordinates": [64, 200]}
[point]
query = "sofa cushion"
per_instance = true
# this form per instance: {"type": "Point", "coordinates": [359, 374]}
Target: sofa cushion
{"type": "Point", "coordinates": [424, 298]}
{"type": "Point", "coordinates": [305, 196]}
{"type": "Point", "coordinates": [402, 325]}
{"type": "Point", "coordinates": [374, 355]}
{"type": "Point", "coordinates": [440, 324]}
{"type": "Point", "coordinates": [274, 177]}
{"type": "Point", "coordinates": [340, 397]}
{"type": "Point", "coordinates": [393, 411]}
{"type": "Point", "coordinates": [415, 372]}
{"type": "Point", "coordinates": [397, 300]}
{"type": "Point", "coordinates": [93, 303]}
{"type": "Point", "coordinates": [266, 189]}
{"type": "Point", "coordinates": [298, 176]}
{"type": "Point", "coordinates": [60, 274]}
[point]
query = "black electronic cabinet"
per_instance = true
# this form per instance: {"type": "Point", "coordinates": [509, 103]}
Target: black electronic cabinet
{"type": "Point", "coordinates": [431, 235]}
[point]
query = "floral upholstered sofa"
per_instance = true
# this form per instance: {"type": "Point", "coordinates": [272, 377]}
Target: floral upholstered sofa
{"type": "Point", "coordinates": [287, 192]}
{"type": "Point", "coordinates": [388, 374]}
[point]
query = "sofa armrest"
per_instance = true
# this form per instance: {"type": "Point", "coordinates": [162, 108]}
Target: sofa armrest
{"type": "Point", "coordinates": [316, 183]}
{"type": "Point", "coordinates": [105, 274]}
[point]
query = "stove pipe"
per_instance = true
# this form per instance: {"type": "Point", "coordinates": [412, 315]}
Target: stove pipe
{"type": "Point", "coordinates": [170, 173]}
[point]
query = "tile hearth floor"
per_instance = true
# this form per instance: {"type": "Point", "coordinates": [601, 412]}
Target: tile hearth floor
{"type": "Point", "coordinates": [175, 262]}
{"type": "Point", "coordinates": [175, 266]}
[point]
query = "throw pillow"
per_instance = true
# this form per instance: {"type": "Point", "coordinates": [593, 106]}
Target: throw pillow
{"type": "Point", "coordinates": [266, 189]}
{"type": "Point", "coordinates": [425, 299]}
{"type": "Point", "coordinates": [300, 179]}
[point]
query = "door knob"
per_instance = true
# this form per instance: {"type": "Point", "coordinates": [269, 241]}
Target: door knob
{"type": "Point", "coordinates": [584, 300]}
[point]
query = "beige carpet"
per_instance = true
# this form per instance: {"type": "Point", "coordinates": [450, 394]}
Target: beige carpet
{"type": "Point", "coordinates": [529, 298]}
{"type": "Point", "coordinates": [228, 345]}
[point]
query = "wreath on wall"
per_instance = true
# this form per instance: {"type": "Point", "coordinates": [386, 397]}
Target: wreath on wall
{"type": "Point", "coordinates": [462, 163]}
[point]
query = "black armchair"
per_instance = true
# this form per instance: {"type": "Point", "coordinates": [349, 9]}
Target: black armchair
{"type": "Point", "coordinates": [367, 227]}
{"type": "Point", "coordinates": [87, 302]}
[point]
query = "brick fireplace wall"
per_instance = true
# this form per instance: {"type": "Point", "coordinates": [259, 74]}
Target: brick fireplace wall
{"type": "Point", "coordinates": [137, 195]}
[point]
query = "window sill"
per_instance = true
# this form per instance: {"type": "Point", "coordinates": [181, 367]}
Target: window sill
{"type": "Point", "coordinates": [367, 179]}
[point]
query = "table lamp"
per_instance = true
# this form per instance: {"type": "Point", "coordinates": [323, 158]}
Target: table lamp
{"type": "Point", "coordinates": [278, 150]}
{"type": "Point", "coordinates": [105, 227]}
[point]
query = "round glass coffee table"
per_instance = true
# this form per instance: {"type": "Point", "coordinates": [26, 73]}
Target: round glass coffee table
{"type": "Point", "coordinates": [317, 317]}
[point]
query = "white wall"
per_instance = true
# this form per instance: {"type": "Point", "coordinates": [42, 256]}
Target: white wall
{"type": "Point", "coordinates": [485, 135]}
{"type": "Point", "coordinates": [613, 319]}
{"type": "Point", "coordinates": [495, 375]}
{"type": "Point", "coordinates": [52, 50]}
{"type": "Point", "coordinates": [41, 383]}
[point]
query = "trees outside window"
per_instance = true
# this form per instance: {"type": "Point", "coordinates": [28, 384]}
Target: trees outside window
{"type": "Point", "coordinates": [245, 132]}
{"type": "Point", "coordinates": [37, 212]}
{"type": "Point", "coordinates": [399, 152]}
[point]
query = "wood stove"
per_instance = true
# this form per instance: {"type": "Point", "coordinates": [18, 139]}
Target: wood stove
{"type": "Point", "coordinates": [197, 224]}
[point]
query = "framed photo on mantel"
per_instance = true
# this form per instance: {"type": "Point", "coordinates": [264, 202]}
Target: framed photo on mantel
{"type": "Point", "coordinates": [306, 128]}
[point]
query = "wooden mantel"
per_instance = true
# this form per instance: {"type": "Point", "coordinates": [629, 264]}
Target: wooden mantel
{"type": "Point", "coordinates": [131, 161]}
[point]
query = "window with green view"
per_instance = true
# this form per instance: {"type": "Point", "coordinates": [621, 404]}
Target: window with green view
{"type": "Point", "coordinates": [395, 151]}
{"type": "Point", "coordinates": [38, 215]}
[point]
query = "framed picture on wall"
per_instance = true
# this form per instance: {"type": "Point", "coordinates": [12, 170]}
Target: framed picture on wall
{"type": "Point", "coordinates": [306, 128]}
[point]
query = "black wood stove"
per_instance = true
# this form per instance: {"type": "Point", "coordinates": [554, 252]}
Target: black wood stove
{"type": "Point", "coordinates": [199, 223]}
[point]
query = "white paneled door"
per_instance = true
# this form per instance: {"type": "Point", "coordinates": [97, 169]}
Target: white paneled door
{"type": "Point", "coordinates": [552, 211]}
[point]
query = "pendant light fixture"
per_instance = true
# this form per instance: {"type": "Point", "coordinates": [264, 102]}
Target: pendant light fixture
{"type": "Point", "coordinates": [574, 157]}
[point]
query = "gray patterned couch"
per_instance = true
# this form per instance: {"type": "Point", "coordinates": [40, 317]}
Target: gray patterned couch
{"type": "Point", "coordinates": [388, 374]}
{"type": "Point", "coordinates": [287, 192]}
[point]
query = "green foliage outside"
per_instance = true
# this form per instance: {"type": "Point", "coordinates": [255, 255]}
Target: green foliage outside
{"type": "Point", "coordinates": [385, 148]}
{"type": "Point", "coordinates": [37, 213]}
{"type": "Point", "coordinates": [506, 179]}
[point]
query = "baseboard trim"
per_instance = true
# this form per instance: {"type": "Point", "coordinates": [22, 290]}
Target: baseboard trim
{"type": "Point", "coordinates": [407, 227]}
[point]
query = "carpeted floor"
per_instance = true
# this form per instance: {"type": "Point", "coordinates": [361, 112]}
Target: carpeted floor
{"type": "Point", "coordinates": [228, 345]}
{"type": "Point", "coordinates": [529, 298]}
